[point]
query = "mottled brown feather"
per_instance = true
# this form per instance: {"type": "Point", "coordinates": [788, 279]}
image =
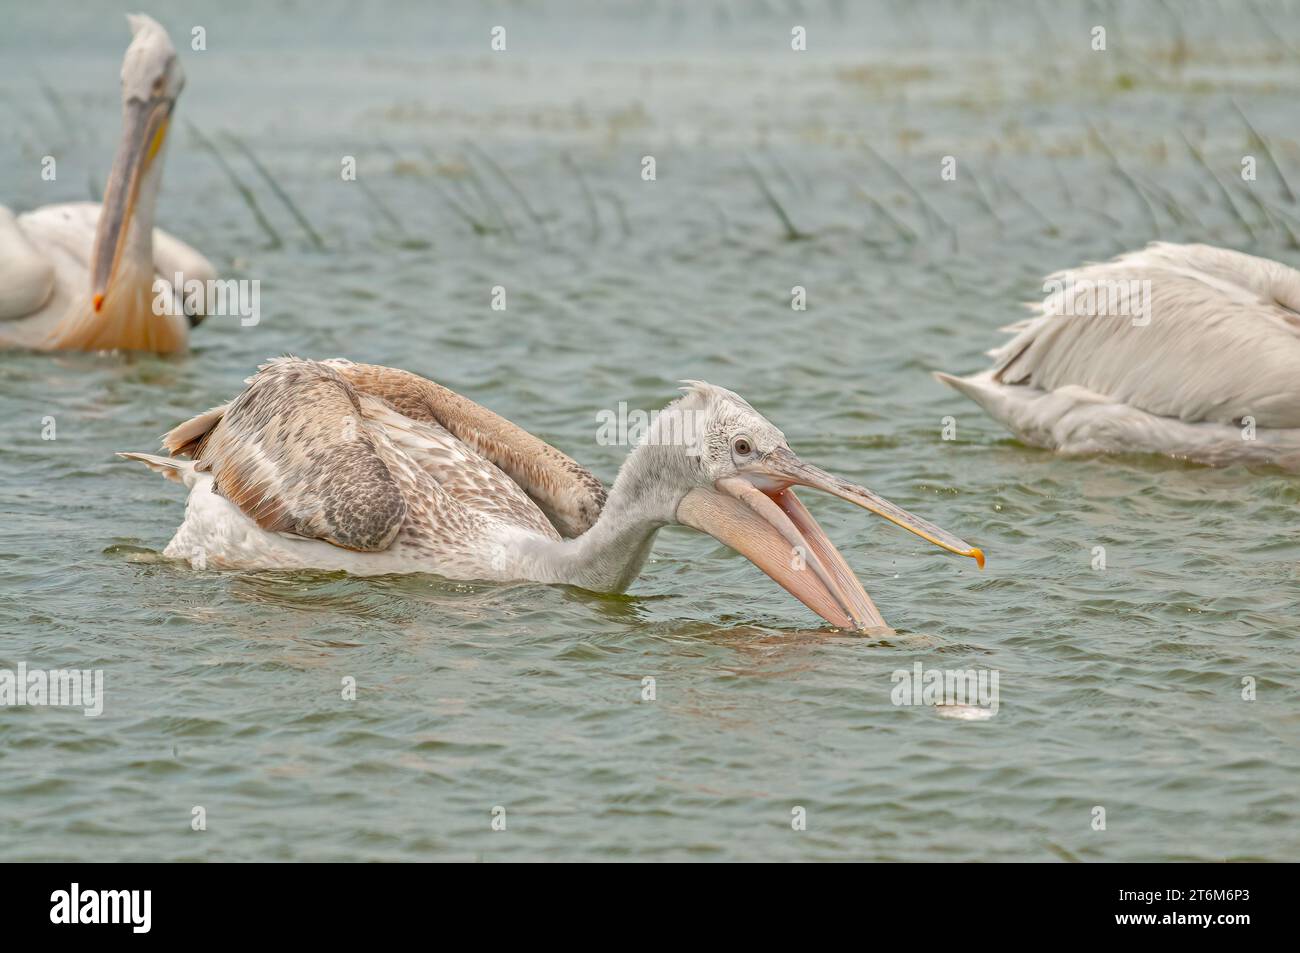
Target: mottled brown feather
{"type": "Point", "coordinates": [355, 454]}
{"type": "Point", "coordinates": [567, 492]}
{"type": "Point", "coordinates": [294, 452]}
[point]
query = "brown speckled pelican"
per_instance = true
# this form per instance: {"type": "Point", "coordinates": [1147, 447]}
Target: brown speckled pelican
{"type": "Point", "coordinates": [80, 276]}
{"type": "Point", "coordinates": [340, 466]}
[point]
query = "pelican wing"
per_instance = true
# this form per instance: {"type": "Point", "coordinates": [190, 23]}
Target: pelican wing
{"type": "Point", "coordinates": [296, 452]}
{"type": "Point", "coordinates": [470, 486]}
{"type": "Point", "coordinates": [351, 453]}
{"type": "Point", "coordinates": [26, 275]}
{"type": "Point", "coordinates": [567, 492]}
{"type": "Point", "coordinates": [1222, 341]}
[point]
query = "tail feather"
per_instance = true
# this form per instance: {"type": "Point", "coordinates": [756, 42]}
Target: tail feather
{"type": "Point", "coordinates": [187, 439]}
{"type": "Point", "coordinates": [959, 384]}
{"type": "Point", "coordinates": [171, 469]}
{"type": "Point", "coordinates": [995, 398]}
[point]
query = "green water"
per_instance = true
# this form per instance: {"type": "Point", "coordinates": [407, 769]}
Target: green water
{"type": "Point", "coordinates": [1119, 687]}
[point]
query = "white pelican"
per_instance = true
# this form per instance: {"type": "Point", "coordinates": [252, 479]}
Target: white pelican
{"type": "Point", "coordinates": [340, 466]}
{"type": "Point", "coordinates": [1184, 350]}
{"type": "Point", "coordinates": [80, 276]}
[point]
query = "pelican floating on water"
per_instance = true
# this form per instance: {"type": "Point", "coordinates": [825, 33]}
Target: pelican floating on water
{"type": "Point", "coordinates": [80, 276]}
{"type": "Point", "coordinates": [1184, 350]}
{"type": "Point", "coordinates": [340, 466]}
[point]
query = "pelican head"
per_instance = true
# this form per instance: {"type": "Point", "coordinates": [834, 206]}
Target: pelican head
{"type": "Point", "coordinates": [151, 82]}
{"type": "Point", "coordinates": [736, 473]}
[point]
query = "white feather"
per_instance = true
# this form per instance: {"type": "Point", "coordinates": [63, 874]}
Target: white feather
{"type": "Point", "coordinates": [1201, 361]}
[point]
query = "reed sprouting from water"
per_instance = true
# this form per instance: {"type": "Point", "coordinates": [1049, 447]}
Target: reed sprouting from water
{"type": "Point", "coordinates": [59, 108]}
{"type": "Point", "coordinates": [244, 191]}
{"type": "Point", "coordinates": [928, 211]}
{"type": "Point", "coordinates": [1286, 220]}
{"type": "Point", "coordinates": [380, 206]}
{"type": "Point", "coordinates": [1063, 185]}
{"type": "Point", "coordinates": [29, 123]}
{"type": "Point", "coordinates": [983, 199]}
{"type": "Point", "coordinates": [791, 232]}
{"type": "Point", "coordinates": [489, 200]}
{"type": "Point", "coordinates": [1274, 221]}
{"type": "Point", "coordinates": [501, 174]}
{"type": "Point", "coordinates": [479, 226]}
{"type": "Point", "coordinates": [593, 212]}
{"type": "Point", "coordinates": [1180, 213]}
{"type": "Point", "coordinates": [1227, 196]}
{"type": "Point", "coordinates": [899, 226]}
{"type": "Point", "coordinates": [1268, 154]}
{"type": "Point", "coordinates": [70, 130]}
{"type": "Point", "coordinates": [786, 175]}
{"type": "Point", "coordinates": [279, 192]}
{"type": "Point", "coordinates": [1061, 182]}
{"type": "Point", "coordinates": [724, 223]}
{"type": "Point", "coordinates": [1118, 168]}
{"type": "Point", "coordinates": [1048, 227]}
{"type": "Point", "coordinates": [620, 210]}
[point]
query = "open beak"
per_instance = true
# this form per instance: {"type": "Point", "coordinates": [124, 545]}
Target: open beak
{"type": "Point", "coordinates": [144, 127]}
{"type": "Point", "coordinates": [757, 514]}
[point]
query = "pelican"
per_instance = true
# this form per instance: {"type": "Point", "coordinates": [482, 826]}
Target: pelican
{"type": "Point", "coordinates": [80, 276]}
{"type": "Point", "coordinates": [340, 466]}
{"type": "Point", "coordinates": [1184, 350]}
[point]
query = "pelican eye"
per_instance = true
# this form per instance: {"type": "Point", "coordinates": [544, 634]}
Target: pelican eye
{"type": "Point", "coordinates": [742, 446]}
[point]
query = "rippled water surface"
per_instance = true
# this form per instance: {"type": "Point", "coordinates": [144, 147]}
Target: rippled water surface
{"type": "Point", "coordinates": [1119, 687]}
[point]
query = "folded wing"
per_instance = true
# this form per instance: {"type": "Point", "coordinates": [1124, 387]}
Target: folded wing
{"type": "Point", "coordinates": [26, 274]}
{"type": "Point", "coordinates": [1185, 331]}
{"type": "Point", "coordinates": [297, 454]}
{"type": "Point", "coordinates": [567, 492]}
{"type": "Point", "coordinates": [350, 454]}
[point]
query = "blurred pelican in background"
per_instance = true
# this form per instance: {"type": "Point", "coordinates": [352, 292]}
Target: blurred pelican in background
{"type": "Point", "coordinates": [80, 276]}
{"type": "Point", "coordinates": [1183, 350]}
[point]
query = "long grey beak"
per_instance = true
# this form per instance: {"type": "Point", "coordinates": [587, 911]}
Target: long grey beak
{"type": "Point", "coordinates": [144, 126]}
{"type": "Point", "coordinates": [783, 468]}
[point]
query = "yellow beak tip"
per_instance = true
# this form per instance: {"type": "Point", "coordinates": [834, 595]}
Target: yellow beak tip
{"type": "Point", "coordinates": [98, 302]}
{"type": "Point", "coordinates": [978, 555]}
